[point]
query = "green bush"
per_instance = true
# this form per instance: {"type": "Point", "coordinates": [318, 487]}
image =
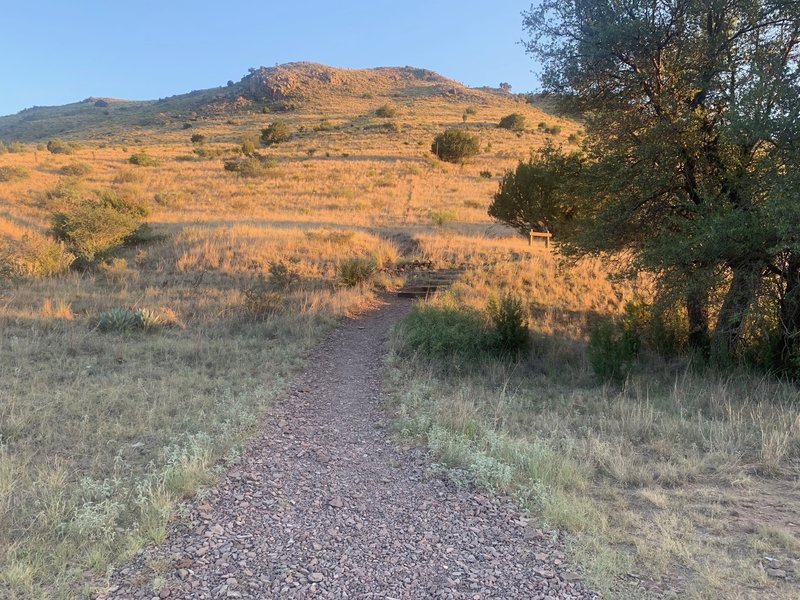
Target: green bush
{"type": "Point", "coordinates": [16, 147]}
{"type": "Point", "coordinates": [445, 332]}
{"type": "Point", "coordinates": [441, 217]}
{"type": "Point", "coordinates": [59, 146]}
{"type": "Point", "coordinates": [251, 166]}
{"type": "Point", "coordinates": [120, 320]}
{"type": "Point", "coordinates": [356, 270]}
{"type": "Point", "coordinates": [514, 122]}
{"type": "Point", "coordinates": [510, 333]}
{"type": "Point", "coordinates": [34, 256]}
{"type": "Point", "coordinates": [76, 169]}
{"type": "Point", "coordinates": [282, 277]}
{"type": "Point", "coordinates": [95, 228]}
{"type": "Point", "coordinates": [198, 138]}
{"type": "Point", "coordinates": [387, 111]}
{"type": "Point", "coordinates": [275, 133]}
{"type": "Point", "coordinates": [142, 159]}
{"type": "Point", "coordinates": [10, 173]}
{"type": "Point", "coordinates": [612, 349]}
{"type": "Point", "coordinates": [486, 174]}
{"type": "Point", "coordinates": [66, 190]}
{"type": "Point", "coordinates": [455, 145]}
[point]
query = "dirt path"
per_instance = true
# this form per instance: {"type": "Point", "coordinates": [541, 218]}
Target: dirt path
{"type": "Point", "coordinates": [325, 504]}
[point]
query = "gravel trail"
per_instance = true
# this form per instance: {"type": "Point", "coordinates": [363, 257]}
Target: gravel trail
{"type": "Point", "coordinates": [326, 504]}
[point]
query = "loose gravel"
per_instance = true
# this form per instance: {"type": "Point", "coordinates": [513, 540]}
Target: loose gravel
{"type": "Point", "coordinates": [326, 504]}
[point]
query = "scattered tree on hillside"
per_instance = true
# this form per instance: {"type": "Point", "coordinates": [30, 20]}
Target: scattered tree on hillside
{"type": "Point", "coordinates": [691, 139]}
{"type": "Point", "coordinates": [456, 145]}
{"type": "Point", "coordinates": [275, 133]}
{"type": "Point", "coordinates": [514, 122]}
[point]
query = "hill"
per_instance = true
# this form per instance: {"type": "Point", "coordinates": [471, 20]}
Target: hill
{"type": "Point", "coordinates": [299, 86]}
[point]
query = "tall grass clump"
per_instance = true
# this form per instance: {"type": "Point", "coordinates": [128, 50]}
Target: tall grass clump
{"type": "Point", "coordinates": [612, 350]}
{"type": "Point", "coordinates": [356, 270]}
{"type": "Point", "coordinates": [76, 169]}
{"type": "Point", "coordinates": [511, 334]}
{"type": "Point", "coordinates": [34, 255]}
{"type": "Point", "coordinates": [445, 332]}
{"type": "Point", "coordinates": [10, 173]}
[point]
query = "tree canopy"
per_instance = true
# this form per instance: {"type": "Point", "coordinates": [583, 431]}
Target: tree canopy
{"type": "Point", "coordinates": [691, 148]}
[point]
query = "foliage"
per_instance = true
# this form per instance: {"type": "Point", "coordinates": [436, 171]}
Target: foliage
{"type": "Point", "coordinates": [612, 349]}
{"type": "Point", "coordinates": [76, 169]}
{"type": "Point", "coordinates": [511, 334]}
{"type": "Point", "coordinates": [251, 166]}
{"type": "Point", "coordinates": [198, 138]}
{"type": "Point", "coordinates": [455, 145]}
{"type": "Point", "coordinates": [275, 133]}
{"type": "Point", "coordinates": [356, 270]}
{"type": "Point", "coordinates": [282, 277]}
{"type": "Point", "coordinates": [387, 111]}
{"type": "Point", "coordinates": [445, 332]}
{"type": "Point", "coordinates": [11, 173]}
{"type": "Point", "coordinates": [34, 256]}
{"type": "Point", "coordinates": [120, 320]}
{"type": "Point", "coordinates": [486, 174]}
{"type": "Point", "coordinates": [691, 136]}
{"type": "Point", "coordinates": [441, 216]}
{"type": "Point", "coordinates": [514, 122]}
{"type": "Point", "coordinates": [93, 228]}
{"type": "Point", "coordinates": [539, 195]}
{"type": "Point", "coordinates": [142, 159]}
{"type": "Point", "coordinates": [59, 146]}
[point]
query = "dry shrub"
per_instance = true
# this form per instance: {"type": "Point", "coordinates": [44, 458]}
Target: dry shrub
{"type": "Point", "coordinates": [34, 255]}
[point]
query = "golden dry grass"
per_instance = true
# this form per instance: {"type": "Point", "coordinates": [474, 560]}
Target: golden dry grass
{"type": "Point", "coordinates": [101, 433]}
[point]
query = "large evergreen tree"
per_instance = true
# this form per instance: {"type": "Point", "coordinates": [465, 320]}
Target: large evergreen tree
{"type": "Point", "coordinates": [692, 133]}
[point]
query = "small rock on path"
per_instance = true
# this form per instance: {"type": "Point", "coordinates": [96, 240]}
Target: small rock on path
{"type": "Point", "coordinates": [325, 504]}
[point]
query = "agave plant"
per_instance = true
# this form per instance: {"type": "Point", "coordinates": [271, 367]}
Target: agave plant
{"type": "Point", "coordinates": [120, 319]}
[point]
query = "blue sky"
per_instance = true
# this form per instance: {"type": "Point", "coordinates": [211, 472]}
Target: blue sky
{"type": "Point", "coordinates": [55, 52]}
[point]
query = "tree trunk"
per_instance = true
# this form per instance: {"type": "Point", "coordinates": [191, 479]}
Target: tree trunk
{"type": "Point", "coordinates": [789, 314]}
{"type": "Point", "coordinates": [741, 293]}
{"type": "Point", "coordinates": [697, 313]}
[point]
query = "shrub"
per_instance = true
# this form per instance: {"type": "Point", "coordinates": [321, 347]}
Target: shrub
{"type": "Point", "coordinates": [282, 277]}
{"type": "Point", "coordinates": [250, 166]}
{"type": "Point", "coordinates": [66, 190]}
{"type": "Point", "coordinates": [204, 152]}
{"type": "Point", "coordinates": [387, 111]}
{"type": "Point", "coordinates": [455, 145]}
{"type": "Point", "coordinates": [197, 138]}
{"type": "Point", "coordinates": [95, 228]}
{"type": "Point", "coordinates": [17, 147]}
{"type": "Point", "coordinates": [612, 349]}
{"type": "Point", "coordinates": [101, 103]}
{"type": "Point", "coordinates": [445, 332]}
{"type": "Point", "coordinates": [59, 146]}
{"type": "Point", "coordinates": [471, 111]}
{"type": "Point", "coordinates": [34, 256]}
{"type": "Point", "coordinates": [120, 320]}
{"type": "Point", "coordinates": [486, 174]}
{"type": "Point", "coordinates": [76, 169]}
{"type": "Point", "coordinates": [441, 217]}
{"type": "Point", "coordinates": [142, 159]}
{"type": "Point", "coordinates": [249, 145]}
{"type": "Point", "coordinates": [510, 333]}
{"type": "Point", "coordinates": [260, 300]}
{"type": "Point", "coordinates": [514, 122]}
{"type": "Point", "coordinates": [275, 133]}
{"type": "Point", "coordinates": [10, 173]}
{"type": "Point", "coordinates": [356, 270]}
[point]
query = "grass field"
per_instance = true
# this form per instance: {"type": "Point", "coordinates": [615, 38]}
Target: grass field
{"type": "Point", "coordinates": [673, 481]}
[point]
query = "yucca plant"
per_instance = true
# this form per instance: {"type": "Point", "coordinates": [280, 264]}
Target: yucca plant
{"type": "Point", "coordinates": [149, 319]}
{"type": "Point", "coordinates": [120, 320]}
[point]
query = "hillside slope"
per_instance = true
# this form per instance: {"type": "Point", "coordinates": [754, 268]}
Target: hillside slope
{"type": "Point", "coordinates": [291, 87]}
